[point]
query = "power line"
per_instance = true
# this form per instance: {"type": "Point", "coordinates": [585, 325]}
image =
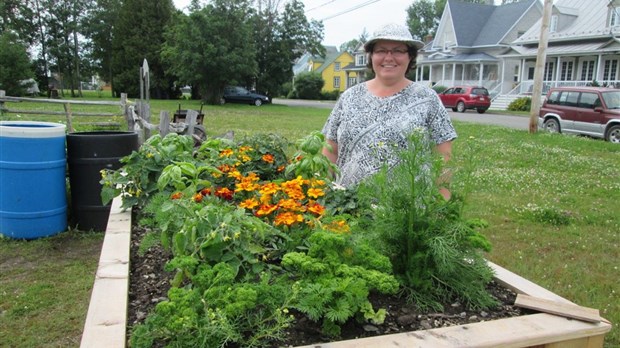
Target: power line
{"type": "Point", "coordinates": [350, 9]}
{"type": "Point", "coordinates": [319, 6]}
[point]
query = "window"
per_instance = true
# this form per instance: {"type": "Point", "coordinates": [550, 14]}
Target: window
{"type": "Point", "coordinates": [553, 26]}
{"type": "Point", "coordinates": [360, 59]}
{"type": "Point", "coordinates": [587, 70]}
{"type": "Point", "coordinates": [337, 82]}
{"type": "Point", "coordinates": [589, 100]}
{"type": "Point", "coordinates": [567, 71]}
{"type": "Point", "coordinates": [530, 73]}
{"type": "Point", "coordinates": [614, 16]}
{"type": "Point", "coordinates": [610, 69]}
{"type": "Point", "coordinates": [554, 98]}
{"type": "Point", "coordinates": [336, 66]}
{"type": "Point", "coordinates": [352, 81]}
{"type": "Point", "coordinates": [548, 75]}
{"type": "Point", "coordinates": [569, 98]}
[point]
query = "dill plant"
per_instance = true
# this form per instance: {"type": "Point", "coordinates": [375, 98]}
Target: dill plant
{"type": "Point", "coordinates": [436, 253]}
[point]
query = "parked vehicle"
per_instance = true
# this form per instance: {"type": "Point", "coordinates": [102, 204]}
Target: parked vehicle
{"type": "Point", "coordinates": [235, 94]}
{"type": "Point", "coordinates": [591, 111]}
{"type": "Point", "coordinates": [461, 98]}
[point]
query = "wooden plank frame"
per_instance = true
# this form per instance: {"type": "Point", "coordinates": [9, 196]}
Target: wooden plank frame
{"type": "Point", "coordinates": [106, 320]}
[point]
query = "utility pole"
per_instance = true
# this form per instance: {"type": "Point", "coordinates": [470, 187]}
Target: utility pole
{"type": "Point", "coordinates": [540, 66]}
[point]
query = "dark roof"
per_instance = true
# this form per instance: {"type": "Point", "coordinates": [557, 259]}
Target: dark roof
{"type": "Point", "coordinates": [485, 25]}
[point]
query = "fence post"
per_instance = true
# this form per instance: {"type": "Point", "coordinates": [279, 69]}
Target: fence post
{"type": "Point", "coordinates": [67, 107]}
{"type": "Point", "coordinates": [164, 123]}
{"type": "Point", "coordinates": [146, 108]}
{"type": "Point", "coordinates": [190, 120]}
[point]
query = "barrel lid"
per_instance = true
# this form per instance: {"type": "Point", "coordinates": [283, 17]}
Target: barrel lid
{"type": "Point", "coordinates": [31, 129]}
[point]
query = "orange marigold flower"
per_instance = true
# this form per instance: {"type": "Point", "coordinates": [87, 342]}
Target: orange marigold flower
{"type": "Point", "coordinates": [290, 204]}
{"type": "Point", "coordinates": [281, 168]}
{"type": "Point", "coordinates": [226, 153]}
{"type": "Point", "coordinates": [206, 191]}
{"type": "Point", "coordinates": [266, 209]}
{"type": "Point", "coordinates": [315, 192]}
{"type": "Point", "coordinates": [288, 218]}
{"type": "Point", "coordinates": [225, 168]}
{"type": "Point", "coordinates": [269, 188]}
{"type": "Point", "coordinates": [249, 203]}
{"type": "Point", "coordinates": [176, 195]}
{"type": "Point", "coordinates": [224, 193]}
{"type": "Point", "coordinates": [316, 209]}
{"type": "Point", "coordinates": [268, 158]}
{"type": "Point", "coordinates": [246, 185]}
{"type": "Point", "coordinates": [197, 197]}
{"type": "Point", "coordinates": [339, 226]}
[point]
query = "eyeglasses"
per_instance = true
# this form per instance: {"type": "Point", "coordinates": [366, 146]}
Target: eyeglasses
{"type": "Point", "coordinates": [396, 52]}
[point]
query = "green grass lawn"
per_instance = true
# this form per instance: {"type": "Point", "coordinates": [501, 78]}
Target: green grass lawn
{"type": "Point", "coordinates": [551, 202]}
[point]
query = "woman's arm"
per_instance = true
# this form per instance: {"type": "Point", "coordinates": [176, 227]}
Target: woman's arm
{"type": "Point", "coordinates": [445, 149]}
{"type": "Point", "coordinates": [331, 154]}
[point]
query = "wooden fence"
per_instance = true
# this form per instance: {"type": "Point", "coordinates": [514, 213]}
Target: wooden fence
{"type": "Point", "coordinates": [137, 115]}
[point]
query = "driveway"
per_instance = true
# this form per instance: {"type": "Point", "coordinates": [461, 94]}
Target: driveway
{"type": "Point", "coordinates": [510, 121]}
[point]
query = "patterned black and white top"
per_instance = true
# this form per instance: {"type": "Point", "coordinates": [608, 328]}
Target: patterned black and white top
{"type": "Point", "coordinates": [371, 130]}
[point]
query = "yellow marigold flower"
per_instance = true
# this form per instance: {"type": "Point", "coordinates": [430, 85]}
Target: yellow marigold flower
{"type": "Point", "coordinates": [245, 148]}
{"type": "Point", "coordinates": [265, 199]}
{"type": "Point", "coordinates": [266, 209]}
{"type": "Point", "coordinates": [245, 158]}
{"type": "Point", "coordinates": [216, 174]}
{"type": "Point", "coordinates": [226, 153]}
{"type": "Point", "coordinates": [235, 174]}
{"type": "Point", "coordinates": [269, 188]}
{"type": "Point", "coordinates": [317, 182]}
{"type": "Point", "coordinates": [249, 203]}
{"type": "Point", "coordinates": [288, 218]}
{"type": "Point", "coordinates": [315, 192]}
{"type": "Point", "coordinates": [294, 192]}
{"type": "Point", "coordinates": [268, 158]}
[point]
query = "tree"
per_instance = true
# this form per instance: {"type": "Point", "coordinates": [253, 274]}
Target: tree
{"type": "Point", "coordinates": [138, 35]}
{"type": "Point", "coordinates": [14, 64]}
{"type": "Point", "coordinates": [99, 26]}
{"type": "Point", "coordinates": [203, 51]}
{"type": "Point", "coordinates": [351, 46]}
{"type": "Point", "coordinates": [423, 16]}
{"type": "Point", "coordinates": [280, 40]}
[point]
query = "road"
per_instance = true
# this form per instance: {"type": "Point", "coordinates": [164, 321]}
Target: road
{"type": "Point", "coordinates": [517, 122]}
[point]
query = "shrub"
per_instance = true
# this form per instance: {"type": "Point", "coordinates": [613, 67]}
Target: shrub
{"type": "Point", "coordinates": [308, 85]}
{"type": "Point", "coordinates": [521, 104]}
{"type": "Point", "coordinates": [439, 88]}
{"type": "Point", "coordinates": [331, 95]}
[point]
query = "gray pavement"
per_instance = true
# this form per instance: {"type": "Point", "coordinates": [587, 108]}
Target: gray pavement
{"type": "Point", "coordinates": [490, 118]}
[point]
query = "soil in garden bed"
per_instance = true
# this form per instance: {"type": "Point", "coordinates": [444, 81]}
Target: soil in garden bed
{"type": "Point", "coordinates": [149, 284]}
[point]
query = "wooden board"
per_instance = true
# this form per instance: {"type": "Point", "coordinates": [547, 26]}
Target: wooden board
{"type": "Point", "coordinates": [574, 311]}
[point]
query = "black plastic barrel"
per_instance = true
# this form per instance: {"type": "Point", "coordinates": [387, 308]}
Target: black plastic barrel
{"type": "Point", "coordinates": [87, 154]}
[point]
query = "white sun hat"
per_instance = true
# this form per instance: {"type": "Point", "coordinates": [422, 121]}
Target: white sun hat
{"type": "Point", "coordinates": [393, 32]}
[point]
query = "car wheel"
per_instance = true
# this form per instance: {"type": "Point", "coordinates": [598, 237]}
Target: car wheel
{"type": "Point", "coordinates": [454, 109]}
{"type": "Point", "coordinates": [613, 134]}
{"type": "Point", "coordinates": [258, 102]}
{"type": "Point", "coordinates": [552, 125]}
{"type": "Point", "coordinates": [460, 107]}
{"type": "Point", "coordinates": [481, 111]}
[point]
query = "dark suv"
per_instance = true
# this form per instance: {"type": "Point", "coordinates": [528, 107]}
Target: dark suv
{"type": "Point", "coordinates": [591, 111]}
{"type": "Point", "coordinates": [461, 98]}
{"type": "Point", "coordinates": [234, 94]}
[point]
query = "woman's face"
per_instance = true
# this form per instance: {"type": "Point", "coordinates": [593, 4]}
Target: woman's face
{"type": "Point", "coordinates": [390, 59]}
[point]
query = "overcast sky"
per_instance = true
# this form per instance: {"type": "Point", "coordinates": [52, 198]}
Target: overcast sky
{"type": "Point", "coordinates": [345, 20]}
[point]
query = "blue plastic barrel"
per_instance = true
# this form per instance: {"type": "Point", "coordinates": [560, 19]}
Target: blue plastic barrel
{"type": "Point", "coordinates": [33, 165]}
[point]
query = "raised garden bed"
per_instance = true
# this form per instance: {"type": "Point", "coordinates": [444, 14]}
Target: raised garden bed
{"type": "Point", "coordinates": [106, 321]}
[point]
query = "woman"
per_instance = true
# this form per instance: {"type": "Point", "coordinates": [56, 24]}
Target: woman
{"type": "Point", "coordinates": [373, 119]}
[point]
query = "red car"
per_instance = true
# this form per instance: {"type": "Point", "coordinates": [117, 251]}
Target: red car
{"type": "Point", "coordinates": [461, 98]}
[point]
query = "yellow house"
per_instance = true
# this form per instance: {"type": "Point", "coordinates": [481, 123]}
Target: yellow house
{"type": "Point", "coordinates": [331, 67]}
